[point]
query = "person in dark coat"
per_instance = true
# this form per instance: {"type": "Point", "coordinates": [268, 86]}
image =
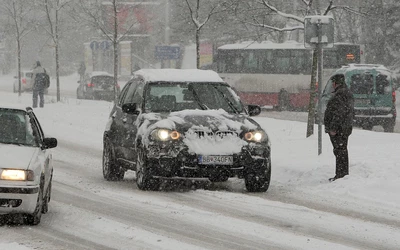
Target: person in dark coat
{"type": "Point", "coordinates": [38, 85]}
{"type": "Point", "coordinates": [81, 71]}
{"type": "Point", "coordinates": [338, 122]}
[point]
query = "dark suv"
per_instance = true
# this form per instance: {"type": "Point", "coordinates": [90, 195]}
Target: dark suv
{"type": "Point", "coordinates": [172, 123]}
{"type": "Point", "coordinates": [99, 86]}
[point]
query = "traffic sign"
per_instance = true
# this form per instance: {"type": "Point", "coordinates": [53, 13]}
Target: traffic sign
{"type": "Point", "coordinates": [167, 52]}
{"type": "Point", "coordinates": [105, 45]}
{"type": "Point", "coordinates": [94, 45]}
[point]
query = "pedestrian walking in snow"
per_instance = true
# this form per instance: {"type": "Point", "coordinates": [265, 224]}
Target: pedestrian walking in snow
{"type": "Point", "coordinates": [38, 84]}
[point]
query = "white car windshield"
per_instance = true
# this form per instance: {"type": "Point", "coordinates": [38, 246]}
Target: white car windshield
{"type": "Point", "coordinates": [15, 128]}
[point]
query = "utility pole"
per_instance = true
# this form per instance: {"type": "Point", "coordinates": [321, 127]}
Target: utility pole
{"type": "Point", "coordinates": [167, 63]}
{"type": "Point", "coordinates": [167, 23]}
{"type": "Point", "coordinates": [319, 49]}
{"type": "Point", "coordinates": [320, 58]}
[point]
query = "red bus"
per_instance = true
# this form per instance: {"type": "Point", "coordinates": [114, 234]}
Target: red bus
{"type": "Point", "coordinates": [260, 71]}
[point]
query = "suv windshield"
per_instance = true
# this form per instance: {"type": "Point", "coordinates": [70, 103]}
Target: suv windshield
{"type": "Point", "coordinates": [173, 96]}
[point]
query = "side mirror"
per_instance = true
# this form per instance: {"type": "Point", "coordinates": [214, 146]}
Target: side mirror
{"type": "Point", "coordinates": [15, 77]}
{"type": "Point", "coordinates": [130, 108]}
{"type": "Point", "coordinates": [49, 142]}
{"type": "Point", "coordinates": [254, 110]}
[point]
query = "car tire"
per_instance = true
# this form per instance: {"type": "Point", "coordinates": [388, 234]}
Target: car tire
{"type": "Point", "coordinates": [111, 170]}
{"type": "Point", "coordinates": [388, 127]}
{"type": "Point", "coordinates": [367, 126]}
{"type": "Point", "coordinates": [35, 217]}
{"type": "Point", "coordinates": [258, 182]}
{"type": "Point", "coordinates": [144, 180]}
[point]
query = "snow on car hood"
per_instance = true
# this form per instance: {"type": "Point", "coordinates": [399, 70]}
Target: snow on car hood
{"type": "Point", "coordinates": [188, 122]}
{"type": "Point", "coordinates": [14, 156]}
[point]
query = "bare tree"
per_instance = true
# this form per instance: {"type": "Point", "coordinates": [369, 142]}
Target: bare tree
{"type": "Point", "coordinates": [19, 16]}
{"type": "Point", "coordinates": [108, 23]}
{"type": "Point", "coordinates": [52, 10]}
{"type": "Point", "coordinates": [196, 9]}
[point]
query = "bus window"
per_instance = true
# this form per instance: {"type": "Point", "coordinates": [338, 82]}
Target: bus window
{"type": "Point", "coordinates": [282, 61]}
{"type": "Point", "coordinates": [266, 62]}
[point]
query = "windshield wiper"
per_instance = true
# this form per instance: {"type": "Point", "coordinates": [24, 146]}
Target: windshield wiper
{"type": "Point", "coordinates": [196, 97]}
{"type": "Point", "coordinates": [231, 105]}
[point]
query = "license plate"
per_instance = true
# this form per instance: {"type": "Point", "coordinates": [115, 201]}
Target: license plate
{"type": "Point", "coordinates": [216, 159]}
{"type": "Point", "coordinates": [362, 101]}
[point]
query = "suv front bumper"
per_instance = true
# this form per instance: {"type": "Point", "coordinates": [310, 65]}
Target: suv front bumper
{"type": "Point", "coordinates": [187, 165]}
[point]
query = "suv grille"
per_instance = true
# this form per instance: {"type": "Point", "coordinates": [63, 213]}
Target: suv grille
{"type": "Point", "coordinates": [220, 134]}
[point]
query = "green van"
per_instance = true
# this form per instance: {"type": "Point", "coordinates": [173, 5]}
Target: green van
{"type": "Point", "coordinates": [373, 88]}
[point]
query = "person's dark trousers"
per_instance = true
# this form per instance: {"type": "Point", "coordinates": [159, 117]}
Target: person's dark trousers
{"type": "Point", "coordinates": [339, 143]}
{"type": "Point", "coordinates": [36, 93]}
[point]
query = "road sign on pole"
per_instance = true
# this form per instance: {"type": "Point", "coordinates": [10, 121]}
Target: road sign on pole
{"type": "Point", "coordinates": [167, 52]}
{"type": "Point", "coordinates": [105, 45]}
{"type": "Point", "coordinates": [319, 34]}
{"type": "Point", "coordinates": [94, 45]}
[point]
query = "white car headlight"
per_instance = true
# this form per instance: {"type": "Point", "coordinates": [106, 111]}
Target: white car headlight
{"type": "Point", "coordinates": [255, 136]}
{"type": "Point", "coordinates": [17, 175]}
{"type": "Point", "coordinates": [165, 134]}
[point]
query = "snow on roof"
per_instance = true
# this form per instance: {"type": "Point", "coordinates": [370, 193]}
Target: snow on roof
{"type": "Point", "coordinates": [178, 75]}
{"type": "Point", "coordinates": [353, 66]}
{"type": "Point", "coordinates": [264, 45]}
{"type": "Point", "coordinates": [13, 106]}
{"type": "Point", "coordinates": [365, 67]}
{"type": "Point", "coordinates": [271, 45]}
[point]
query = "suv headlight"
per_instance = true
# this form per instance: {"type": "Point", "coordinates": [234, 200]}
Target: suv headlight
{"type": "Point", "coordinates": [17, 175]}
{"type": "Point", "coordinates": [254, 136]}
{"type": "Point", "coordinates": [165, 135]}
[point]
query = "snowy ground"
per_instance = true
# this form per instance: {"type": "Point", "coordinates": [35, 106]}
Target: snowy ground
{"type": "Point", "coordinates": [301, 210]}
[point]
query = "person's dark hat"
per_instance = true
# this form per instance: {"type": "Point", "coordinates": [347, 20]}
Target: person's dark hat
{"type": "Point", "coordinates": [338, 79]}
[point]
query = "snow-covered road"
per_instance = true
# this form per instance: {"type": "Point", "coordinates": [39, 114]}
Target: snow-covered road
{"type": "Point", "coordinates": [88, 212]}
{"type": "Point", "coordinates": [301, 210]}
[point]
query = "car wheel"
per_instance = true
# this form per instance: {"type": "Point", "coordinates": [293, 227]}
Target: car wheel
{"type": "Point", "coordinates": [111, 171]}
{"type": "Point", "coordinates": [388, 127]}
{"type": "Point", "coordinates": [46, 200]}
{"type": "Point", "coordinates": [34, 218]}
{"type": "Point", "coordinates": [258, 182]}
{"type": "Point", "coordinates": [144, 180]}
{"type": "Point", "coordinates": [367, 126]}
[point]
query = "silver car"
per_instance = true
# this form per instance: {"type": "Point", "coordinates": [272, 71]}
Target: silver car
{"type": "Point", "coordinates": [26, 166]}
{"type": "Point", "coordinates": [26, 83]}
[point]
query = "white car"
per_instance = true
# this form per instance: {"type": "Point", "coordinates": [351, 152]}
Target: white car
{"type": "Point", "coordinates": [26, 83]}
{"type": "Point", "coordinates": [26, 166]}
